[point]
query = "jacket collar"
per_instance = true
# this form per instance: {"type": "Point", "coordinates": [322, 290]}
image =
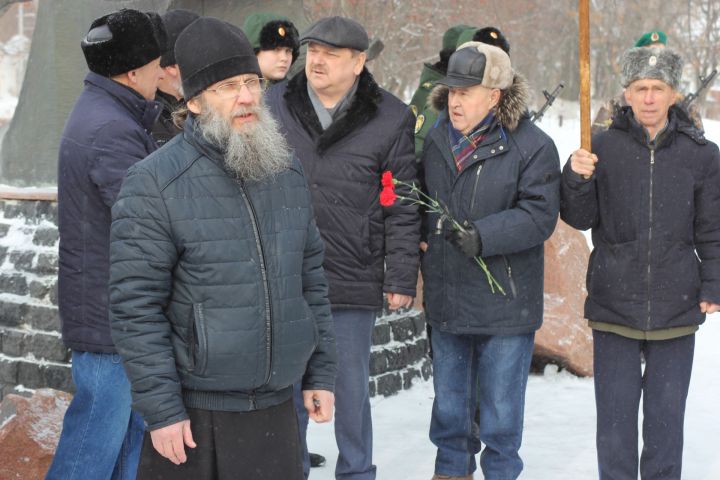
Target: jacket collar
{"type": "Point", "coordinates": [194, 137]}
{"type": "Point", "coordinates": [363, 108]}
{"type": "Point", "coordinates": [678, 123]}
{"type": "Point", "coordinates": [494, 144]}
{"type": "Point", "coordinates": [146, 112]}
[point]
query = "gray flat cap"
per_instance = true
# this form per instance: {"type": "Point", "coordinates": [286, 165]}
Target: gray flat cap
{"type": "Point", "coordinates": [338, 32]}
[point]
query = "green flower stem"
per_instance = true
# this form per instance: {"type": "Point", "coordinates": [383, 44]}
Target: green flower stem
{"type": "Point", "coordinates": [434, 206]}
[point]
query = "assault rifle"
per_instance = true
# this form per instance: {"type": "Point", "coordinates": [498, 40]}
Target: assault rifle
{"type": "Point", "coordinates": [549, 99]}
{"type": "Point", "coordinates": [704, 82]}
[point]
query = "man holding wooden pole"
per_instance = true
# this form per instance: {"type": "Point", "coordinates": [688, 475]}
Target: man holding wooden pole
{"type": "Point", "coordinates": [651, 194]}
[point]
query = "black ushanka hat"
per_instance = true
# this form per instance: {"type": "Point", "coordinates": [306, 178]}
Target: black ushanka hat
{"type": "Point", "coordinates": [267, 31]}
{"type": "Point", "coordinates": [122, 41]}
{"type": "Point", "coordinates": [210, 50]}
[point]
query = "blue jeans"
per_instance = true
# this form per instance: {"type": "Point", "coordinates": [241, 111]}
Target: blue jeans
{"type": "Point", "coordinates": [619, 383]}
{"type": "Point", "coordinates": [353, 423]}
{"type": "Point", "coordinates": [488, 372]}
{"type": "Point", "coordinates": [101, 436]}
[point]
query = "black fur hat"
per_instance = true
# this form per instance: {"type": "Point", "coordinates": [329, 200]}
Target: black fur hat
{"type": "Point", "coordinates": [175, 22]}
{"type": "Point", "coordinates": [122, 41]}
{"type": "Point", "coordinates": [210, 50]}
{"type": "Point", "coordinates": [492, 36]}
{"type": "Point", "coordinates": [267, 31]}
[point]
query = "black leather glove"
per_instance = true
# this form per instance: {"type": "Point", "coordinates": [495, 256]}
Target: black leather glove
{"type": "Point", "coordinates": [467, 240]}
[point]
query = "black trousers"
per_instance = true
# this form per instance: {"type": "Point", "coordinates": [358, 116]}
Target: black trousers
{"type": "Point", "coordinates": [619, 383]}
{"type": "Point", "coordinates": [260, 445]}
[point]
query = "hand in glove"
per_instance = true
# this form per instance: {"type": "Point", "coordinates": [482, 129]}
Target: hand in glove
{"type": "Point", "coordinates": [467, 240]}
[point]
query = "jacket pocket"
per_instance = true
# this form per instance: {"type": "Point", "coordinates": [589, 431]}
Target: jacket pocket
{"type": "Point", "coordinates": [199, 343]}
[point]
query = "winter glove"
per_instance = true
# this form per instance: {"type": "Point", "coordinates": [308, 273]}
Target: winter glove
{"type": "Point", "coordinates": [467, 240]}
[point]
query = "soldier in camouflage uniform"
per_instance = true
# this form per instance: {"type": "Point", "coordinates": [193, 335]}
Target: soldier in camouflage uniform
{"type": "Point", "coordinates": [603, 119]}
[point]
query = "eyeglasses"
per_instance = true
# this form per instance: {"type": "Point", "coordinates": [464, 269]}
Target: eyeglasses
{"type": "Point", "coordinates": [233, 89]}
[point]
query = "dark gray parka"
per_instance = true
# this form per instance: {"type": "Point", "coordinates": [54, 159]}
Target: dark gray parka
{"type": "Point", "coordinates": [217, 292]}
{"type": "Point", "coordinates": [654, 210]}
{"type": "Point", "coordinates": [509, 190]}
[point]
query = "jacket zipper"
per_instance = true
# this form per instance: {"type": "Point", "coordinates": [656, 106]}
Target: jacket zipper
{"type": "Point", "coordinates": [650, 226]}
{"type": "Point", "coordinates": [508, 268]}
{"type": "Point", "coordinates": [477, 179]}
{"type": "Point", "coordinates": [268, 304]}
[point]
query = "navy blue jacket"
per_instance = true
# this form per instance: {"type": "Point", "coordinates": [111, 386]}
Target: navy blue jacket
{"type": "Point", "coordinates": [218, 295]}
{"type": "Point", "coordinates": [369, 249]}
{"type": "Point", "coordinates": [653, 209]}
{"type": "Point", "coordinates": [106, 133]}
{"type": "Point", "coordinates": [510, 192]}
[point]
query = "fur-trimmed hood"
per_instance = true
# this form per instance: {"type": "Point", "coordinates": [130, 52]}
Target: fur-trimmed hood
{"type": "Point", "coordinates": [512, 106]}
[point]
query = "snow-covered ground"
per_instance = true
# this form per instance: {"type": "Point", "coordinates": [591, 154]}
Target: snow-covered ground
{"type": "Point", "coordinates": [559, 440]}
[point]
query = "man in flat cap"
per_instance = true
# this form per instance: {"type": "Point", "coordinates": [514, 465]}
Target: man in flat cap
{"type": "Point", "coordinates": [218, 297]}
{"type": "Point", "coordinates": [347, 131]}
{"type": "Point", "coordinates": [650, 192]}
{"type": "Point", "coordinates": [106, 133]}
{"type": "Point", "coordinates": [169, 93]}
{"type": "Point", "coordinates": [276, 43]}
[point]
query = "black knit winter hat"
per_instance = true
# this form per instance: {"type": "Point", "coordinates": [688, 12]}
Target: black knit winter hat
{"type": "Point", "coordinates": [210, 50]}
{"type": "Point", "coordinates": [175, 22]}
{"type": "Point", "coordinates": [267, 31]}
{"type": "Point", "coordinates": [122, 41]}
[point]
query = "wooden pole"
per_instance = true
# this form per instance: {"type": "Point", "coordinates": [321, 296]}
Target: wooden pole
{"type": "Point", "coordinates": [584, 54]}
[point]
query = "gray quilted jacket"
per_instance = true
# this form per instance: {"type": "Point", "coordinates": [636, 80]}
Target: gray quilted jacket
{"type": "Point", "coordinates": [217, 291]}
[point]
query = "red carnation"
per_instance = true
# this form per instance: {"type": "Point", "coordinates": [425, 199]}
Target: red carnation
{"type": "Point", "coordinates": [388, 196]}
{"type": "Point", "coordinates": [387, 180]}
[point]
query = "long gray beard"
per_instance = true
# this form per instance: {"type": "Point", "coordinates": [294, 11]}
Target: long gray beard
{"type": "Point", "coordinates": [257, 151]}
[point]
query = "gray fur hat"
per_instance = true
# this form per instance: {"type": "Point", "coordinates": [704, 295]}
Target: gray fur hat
{"type": "Point", "coordinates": [658, 63]}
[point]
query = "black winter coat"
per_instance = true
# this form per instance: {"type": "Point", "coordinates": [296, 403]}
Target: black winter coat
{"type": "Point", "coordinates": [369, 249]}
{"type": "Point", "coordinates": [509, 190]}
{"type": "Point", "coordinates": [165, 129]}
{"type": "Point", "coordinates": [218, 296]}
{"type": "Point", "coordinates": [653, 210]}
{"type": "Point", "coordinates": [106, 133]}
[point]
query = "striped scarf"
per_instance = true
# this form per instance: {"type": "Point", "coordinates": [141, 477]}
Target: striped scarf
{"type": "Point", "coordinates": [464, 145]}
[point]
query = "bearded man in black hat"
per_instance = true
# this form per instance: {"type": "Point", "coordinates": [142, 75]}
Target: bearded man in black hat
{"type": "Point", "coordinates": [105, 134]}
{"type": "Point", "coordinates": [650, 192]}
{"type": "Point", "coordinates": [169, 93]}
{"type": "Point", "coordinates": [218, 296]}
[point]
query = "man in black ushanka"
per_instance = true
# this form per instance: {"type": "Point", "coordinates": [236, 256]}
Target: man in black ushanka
{"type": "Point", "coordinates": [218, 296]}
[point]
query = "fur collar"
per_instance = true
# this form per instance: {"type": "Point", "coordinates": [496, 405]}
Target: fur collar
{"type": "Point", "coordinates": [512, 106]}
{"type": "Point", "coordinates": [363, 108]}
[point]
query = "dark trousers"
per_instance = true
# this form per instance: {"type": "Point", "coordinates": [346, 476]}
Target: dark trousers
{"type": "Point", "coordinates": [258, 445]}
{"type": "Point", "coordinates": [619, 383]}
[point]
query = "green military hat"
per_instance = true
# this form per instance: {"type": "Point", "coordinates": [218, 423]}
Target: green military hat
{"type": "Point", "coordinates": [450, 37]}
{"type": "Point", "coordinates": [267, 31]}
{"type": "Point", "coordinates": [465, 36]}
{"type": "Point", "coordinates": [656, 36]}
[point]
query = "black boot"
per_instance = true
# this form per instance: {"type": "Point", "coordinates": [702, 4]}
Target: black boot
{"type": "Point", "coordinates": [316, 460]}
